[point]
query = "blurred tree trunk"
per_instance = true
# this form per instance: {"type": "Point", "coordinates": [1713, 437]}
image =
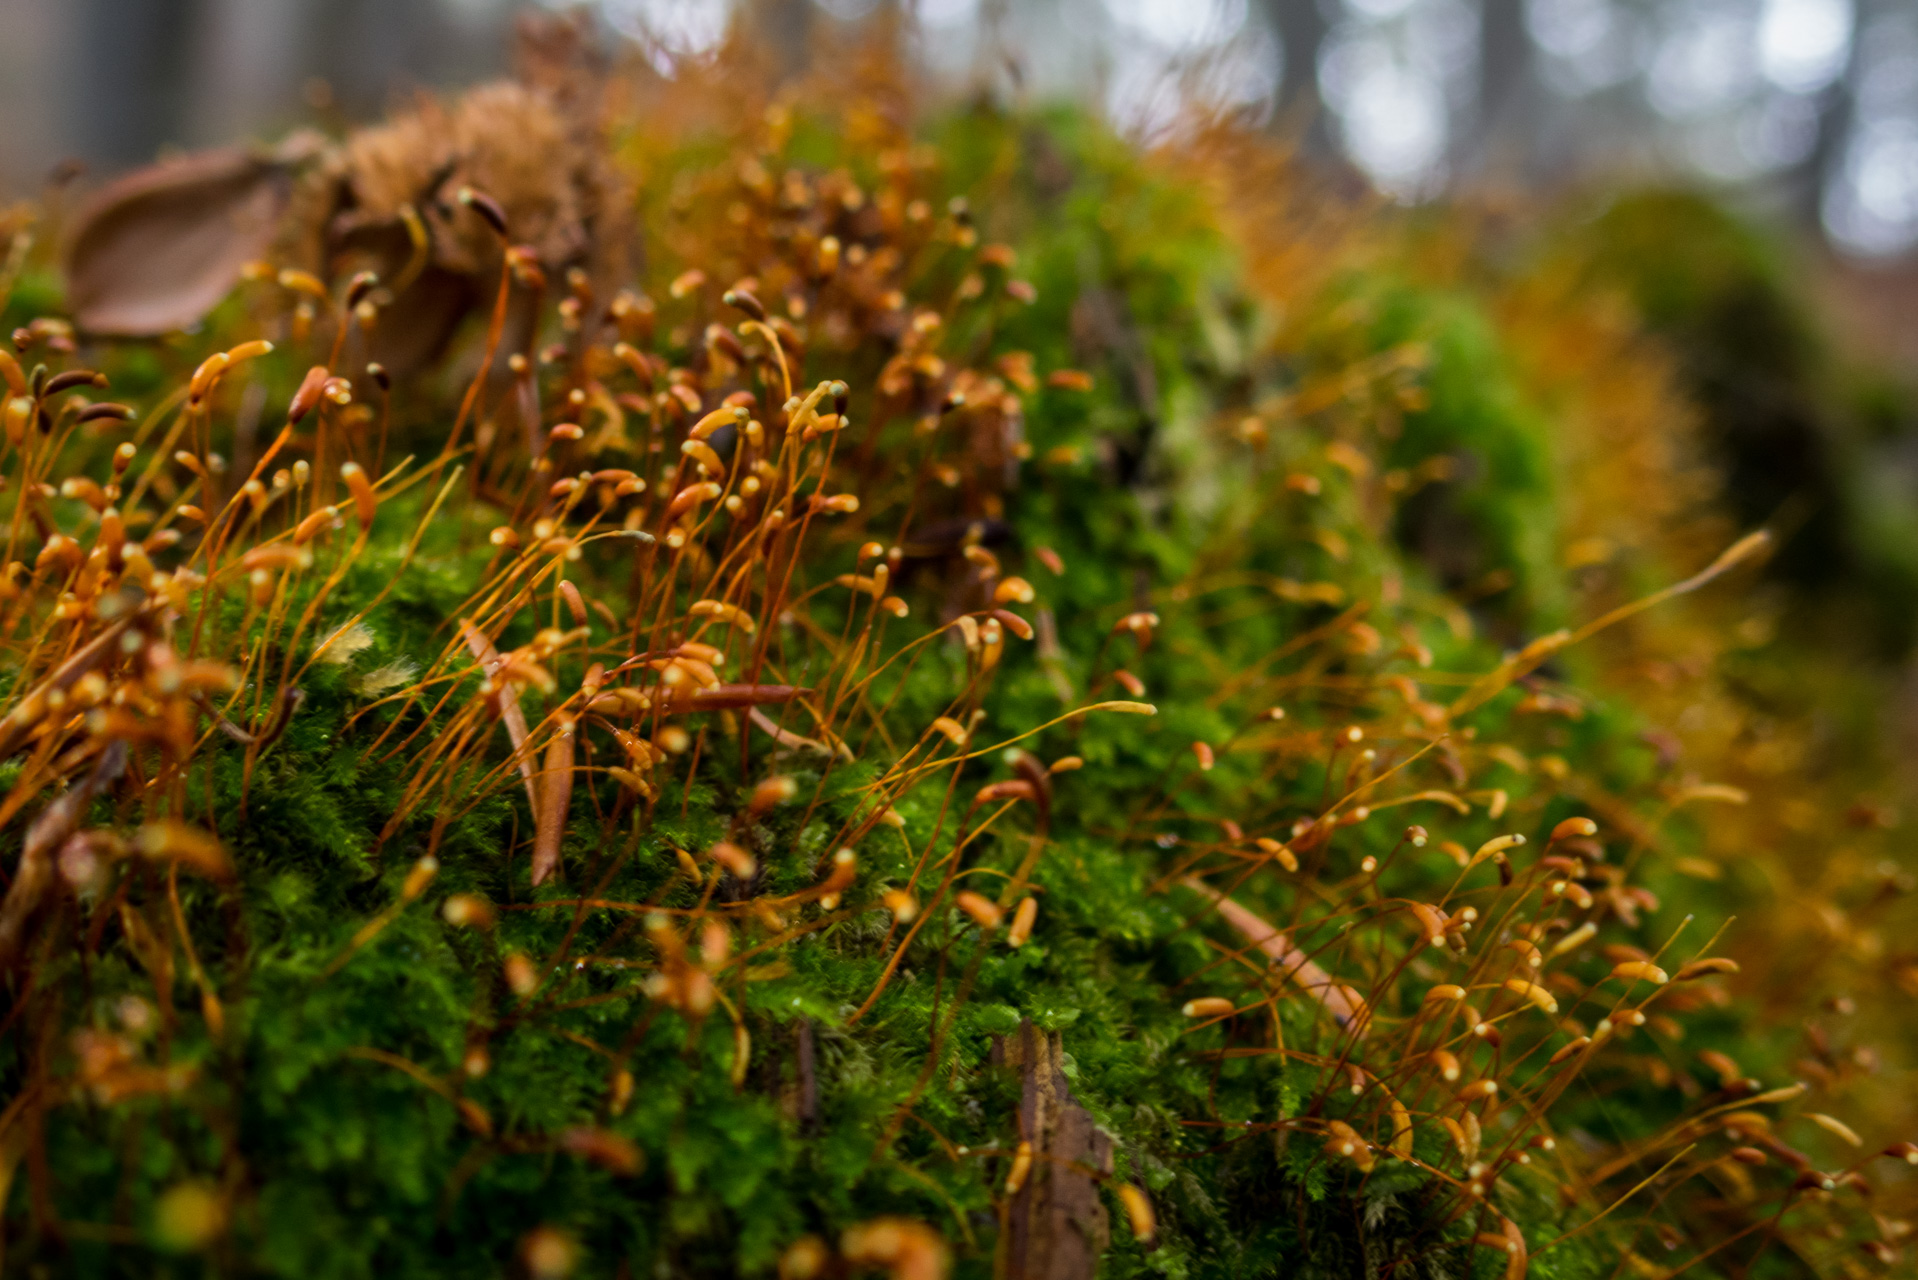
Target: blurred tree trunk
{"type": "Point", "coordinates": [1837, 111]}
{"type": "Point", "coordinates": [1302, 27]}
{"type": "Point", "coordinates": [130, 84]}
{"type": "Point", "coordinates": [1504, 132]}
{"type": "Point", "coordinates": [785, 28]}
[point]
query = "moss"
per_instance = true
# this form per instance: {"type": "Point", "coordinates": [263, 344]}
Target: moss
{"type": "Point", "coordinates": [383, 1091]}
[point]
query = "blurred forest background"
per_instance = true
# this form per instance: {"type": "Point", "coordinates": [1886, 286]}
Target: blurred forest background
{"type": "Point", "coordinates": [1747, 170]}
{"type": "Point", "coordinates": [1806, 110]}
{"type": "Point", "coordinates": [1802, 112]}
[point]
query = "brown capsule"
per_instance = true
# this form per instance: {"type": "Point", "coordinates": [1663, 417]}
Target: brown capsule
{"type": "Point", "coordinates": [1343, 1140]}
{"type": "Point", "coordinates": [1639, 971]}
{"type": "Point", "coordinates": [548, 1253]}
{"type": "Point", "coordinates": [418, 876]}
{"type": "Point", "coordinates": [276, 555]}
{"type": "Point", "coordinates": [308, 528]}
{"type": "Point", "coordinates": [575, 603]}
{"type": "Point", "coordinates": [1833, 1125]}
{"type": "Point", "coordinates": [844, 869]}
{"type": "Point", "coordinates": [487, 208]}
{"type": "Point", "coordinates": [610, 1151]}
{"type": "Point", "coordinates": [521, 976]}
{"type": "Point", "coordinates": [1573, 827]}
{"type": "Point", "coordinates": [770, 794]}
{"type": "Point", "coordinates": [467, 911]}
{"type": "Point", "coordinates": [362, 283]}
{"type": "Point", "coordinates": [1529, 950]}
{"type": "Point", "coordinates": [1533, 992]}
{"type": "Point", "coordinates": [631, 357]}
{"type": "Point", "coordinates": [1022, 920]}
{"type": "Point", "coordinates": [702, 453]}
{"type": "Point", "coordinates": [1704, 968]}
{"type": "Point", "coordinates": [1008, 789]}
{"type": "Point", "coordinates": [1432, 924]}
{"type": "Point", "coordinates": [722, 339]}
{"type": "Point", "coordinates": [899, 1246]}
{"type": "Point", "coordinates": [1278, 852]}
{"type": "Point", "coordinates": [311, 388]}
{"type": "Point", "coordinates": [689, 497]}
{"type": "Point", "coordinates": [1727, 1069]}
{"type": "Point", "coordinates": [105, 410]}
{"type": "Point", "coordinates": [1575, 939]}
{"type": "Point", "coordinates": [804, 1259]}
{"type": "Point", "coordinates": [1021, 1166]}
{"type": "Point", "coordinates": [745, 301]}
{"type": "Point", "coordinates": [206, 375]}
{"type": "Point", "coordinates": [984, 911]}
{"type": "Point", "coordinates": [73, 378]}
{"type": "Point", "coordinates": [1207, 1007]}
{"type": "Point", "coordinates": [1014, 623]}
{"type": "Point", "coordinates": [365, 503]}
{"type": "Point", "coordinates": [86, 490]}
{"type": "Point", "coordinates": [303, 282]}
{"type": "Point", "coordinates": [736, 860]}
{"type": "Point", "coordinates": [1569, 1050]}
{"type": "Point", "coordinates": [1013, 592]}
{"type": "Point", "coordinates": [1138, 1211]}
{"type": "Point", "coordinates": [190, 846]}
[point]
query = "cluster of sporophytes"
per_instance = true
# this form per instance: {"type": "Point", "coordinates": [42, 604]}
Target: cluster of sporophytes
{"type": "Point", "coordinates": [781, 768]}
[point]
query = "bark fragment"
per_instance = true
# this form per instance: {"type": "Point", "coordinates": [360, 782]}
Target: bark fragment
{"type": "Point", "coordinates": [1057, 1225]}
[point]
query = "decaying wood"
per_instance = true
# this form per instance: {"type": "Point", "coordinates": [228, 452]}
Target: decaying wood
{"type": "Point", "coordinates": [506, 700]}
{"type": "Point", "coordinates": [1057, 1226]}
{"type": "Point", "coordinates": [808, 1100]}
{"type": "Point", "coordinates": [155, 250]}
{"type": "Point", "coordinates": [556, 798]}
{"type": "Point", "coordinates": [34, 876]}
{"type": "Point", "coordinates": [158, 248]}
{"type": "Point", "coordinates": [1344, 1004]}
